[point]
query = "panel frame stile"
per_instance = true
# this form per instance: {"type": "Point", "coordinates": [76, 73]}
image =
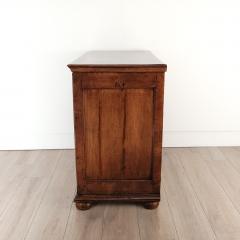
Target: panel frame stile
{"type": "Point", "coordinates": [79, 128]}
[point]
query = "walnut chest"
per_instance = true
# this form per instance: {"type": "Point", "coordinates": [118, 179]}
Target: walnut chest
{"type": "Point", "coordinates": [118, 118]}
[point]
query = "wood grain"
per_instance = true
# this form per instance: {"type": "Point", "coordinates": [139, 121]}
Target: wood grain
{"type": "Point", "coordinates": [157, 224]}
{"type": "Point", "coordinates": [21, 189]}
{"type": "Point", "coordinates": [232, 155]}
{"type": "Point", "coordinates": [111, 133]}
{"type": "Point", "coordinates": [52, 216]}
{"type": "Point", "coordinates": [85, 225]}
{"type": "Point", "coordinates": [79, 132]}
{"type": "Point", "coordinates": [225, 174]}
{"type": "Point", "coordinates": [138, 134]}
{"type": "Point", "coordinates": [113, 58]}
{"type": "Point", "coordinates": [9, 182]}
{"type": "Point", "coordinates": [91, 106]}
{"type": "Point", "coordinates": [199, 199]}
{"type": "Point", "coordinates": [189, 217]}
{"type": "Point", "coordinates": [118, 114]}
{"type": "Point", "coordinates": [221, 213]}
{"type": "Point", "coordinates": [16, 218]}
{"type": "Point", "coordinates": [115, 228]}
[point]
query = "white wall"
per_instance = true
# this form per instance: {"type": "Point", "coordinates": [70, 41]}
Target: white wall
{"type": "Point", "coordinates": [199, 40]}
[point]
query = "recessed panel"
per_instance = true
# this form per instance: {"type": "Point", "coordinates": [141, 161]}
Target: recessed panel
{"type": "Point", "coordinates": [138, 133]}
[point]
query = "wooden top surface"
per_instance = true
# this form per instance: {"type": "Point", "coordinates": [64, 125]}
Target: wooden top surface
{"type": "Point", "coordinates": [117, 59]}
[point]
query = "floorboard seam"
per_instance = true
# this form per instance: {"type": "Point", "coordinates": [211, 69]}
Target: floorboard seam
{"type": "Point", "coordinates": [15, 192]}
{"type": "Point", "coordinates": [103, 221]}
{"type": "Point", "coordinates": [139, 232]}
{"type": "Point", "coordinates": [197, 198]}
{"type": "Point", "coordinates": [43, 195]}
{"type": "Point", "coordinates": [220, 185]}
{"type": "Point", "coordinates": [170, 211]}
{"type": "Point", "coordinates": [65, 230]}
{"type": "Point", "coordinates": [229, 162]}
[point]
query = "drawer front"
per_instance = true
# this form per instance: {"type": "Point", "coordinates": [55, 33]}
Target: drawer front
{"type": "Point", "coordinates": [119, 80]}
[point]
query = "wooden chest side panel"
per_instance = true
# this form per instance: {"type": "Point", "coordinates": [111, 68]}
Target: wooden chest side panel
{"type": "Point", "coordinates": [103, 125]}
{"type": "Point", "coordinates": [118, 133]}
{"type": "Point", "coordinates": [138, 133]}
{"type": "Point", "coordinates": [111, 133]}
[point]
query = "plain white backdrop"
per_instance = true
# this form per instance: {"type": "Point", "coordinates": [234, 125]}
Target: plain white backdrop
{"type": "Point", "coordinates": [199, 40]}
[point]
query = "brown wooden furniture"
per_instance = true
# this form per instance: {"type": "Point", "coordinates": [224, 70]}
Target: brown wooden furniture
{"type": "Point", "coordinates": [118, 113]}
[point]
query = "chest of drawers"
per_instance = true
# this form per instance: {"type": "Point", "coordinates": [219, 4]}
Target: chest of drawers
{"type": "Point", "coordinates": [118, 115]}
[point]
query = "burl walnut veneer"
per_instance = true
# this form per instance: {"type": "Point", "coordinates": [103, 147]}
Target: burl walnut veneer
{"type": "Point", "coordinates": [118, 116]}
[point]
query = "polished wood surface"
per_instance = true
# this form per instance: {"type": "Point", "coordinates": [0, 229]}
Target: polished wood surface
{"type": "Point", "coordinates": [117, 61]}
{"type": "Point", "coordinates": [109, 58]}
{"type": "Point", "coordinates": [118, 127]}
{"type": "Point", "coordinates": [199, 199]}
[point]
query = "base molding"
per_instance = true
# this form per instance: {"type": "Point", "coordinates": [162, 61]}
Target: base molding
{"type": "Point", "coordinates": [117, 198]}
{"type": "Point", "coordinates": [85, 202]}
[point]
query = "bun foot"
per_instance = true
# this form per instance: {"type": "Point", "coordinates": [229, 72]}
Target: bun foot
{"type": "Point", "coordinates": [151, 205]}
{"type": "Point", "coordinates": [83, 205]}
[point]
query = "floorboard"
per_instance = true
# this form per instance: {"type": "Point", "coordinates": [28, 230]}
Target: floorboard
{"type": "Point", "coordinates": [157, 224]}
{"type": "Point", "coordinates": [85, 224]}
{"type": "Point", "coordinates": [200, 199]}
{"type": "Point", "coordinates": [225, 173]}
{"type": "Point", "coordinates": [51, 219]}
{"type": "Point", "coordinates": [221, 213]}
{"type": "Point", "coordinates": [120, 222]}
{"type": "Point", "coordinates": [189, 217]}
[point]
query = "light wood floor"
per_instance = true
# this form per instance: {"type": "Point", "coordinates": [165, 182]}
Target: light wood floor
{"type": "Point", "coordinates": [200, 199]}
